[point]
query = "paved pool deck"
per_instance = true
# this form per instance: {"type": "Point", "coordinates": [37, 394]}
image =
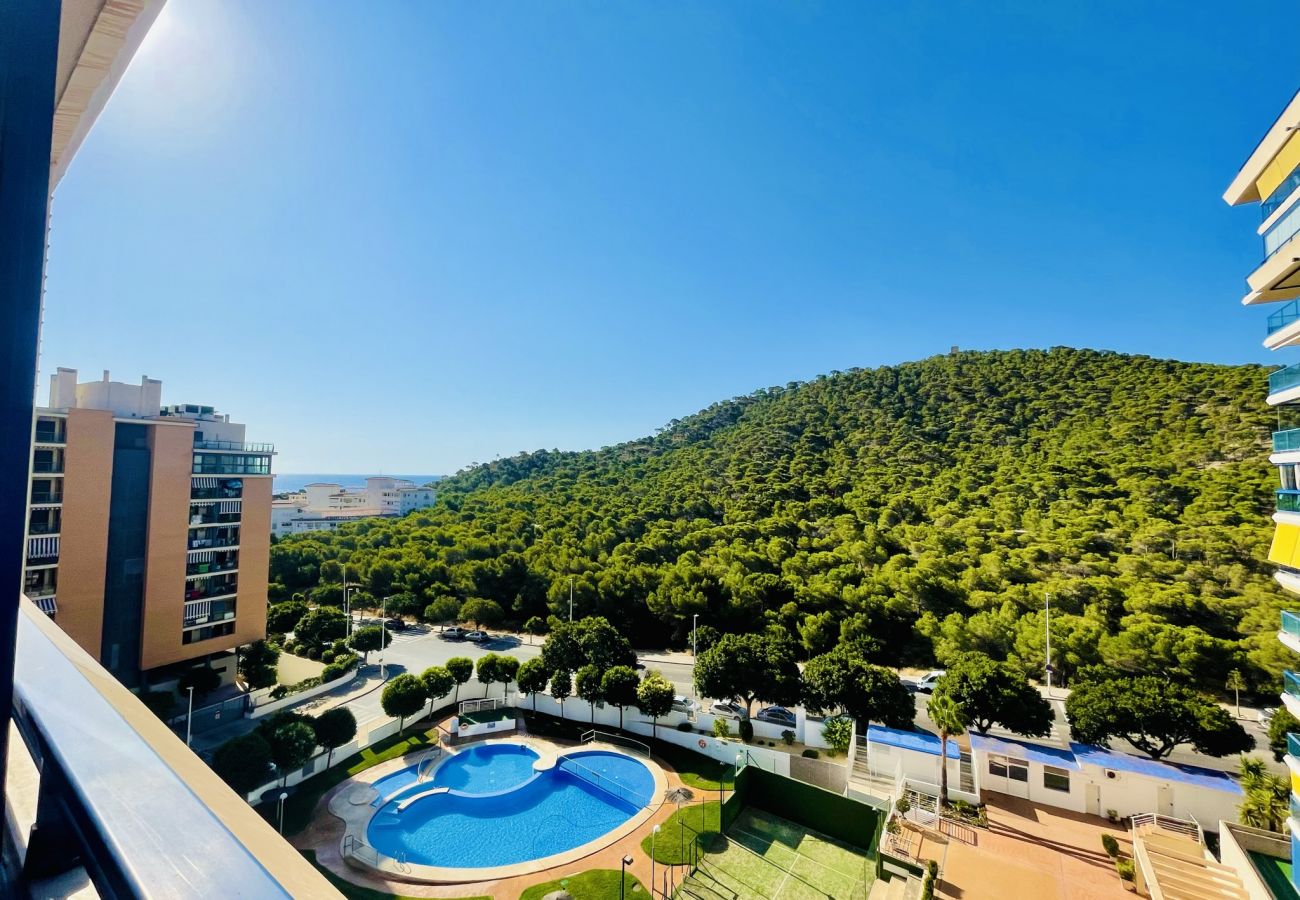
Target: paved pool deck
{"type": "Point", "coordinates": [325, 836]}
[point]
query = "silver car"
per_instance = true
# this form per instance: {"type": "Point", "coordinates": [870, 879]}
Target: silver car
{"type": "Point", "coordinates": [725, 710]}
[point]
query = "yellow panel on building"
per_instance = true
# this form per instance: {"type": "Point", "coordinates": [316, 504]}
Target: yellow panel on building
{"type": "Point", "coordinates": [1282, 165]}
{"type": "Point", "coordinates": [1283, 551]}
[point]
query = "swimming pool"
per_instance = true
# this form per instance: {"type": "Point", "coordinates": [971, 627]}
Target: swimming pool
{"type": "Point", "coordinates": [478, 823]}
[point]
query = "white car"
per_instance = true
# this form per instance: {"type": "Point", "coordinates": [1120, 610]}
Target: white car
{"type": "Point", "coordinates": [925, 684]}
{"type": "Point", "coordinates": [684, 704]}
{"type": "Point", "coordinates": [724, 710]}
{"type": "Point", "coordinates": [478, 637]}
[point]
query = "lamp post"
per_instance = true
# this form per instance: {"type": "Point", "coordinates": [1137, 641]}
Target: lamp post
{"type": "Point", "coordinates": [622, 881]}
{"type": "Point", "coordinates": [695, 649]}
{"type": "Point", "coordinates": [189, 716]}
{"type": "Point", "coordinates": [570, 598]}
{"type": "Point", "coordinates": [1048, 629]}
{"type": "Point", "coordinates": [284, 795]}
{"type": "Point", "coordinates": [654, 831]}
{"type": "Point", "coordinates": [383, 634]}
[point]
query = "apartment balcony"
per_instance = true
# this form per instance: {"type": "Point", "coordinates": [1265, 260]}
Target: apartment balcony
{"type": "Point", "coordinates": [205, 590]}
{"type": "Point", "coordinates": [234, 447]}
{"type": "Point", "coordinates": [1284, 385]}
{"type": "Point", "coordinates": [48, 466]}
{"type": "Point", "coordinates": [1289, 633]}
{"type": "Point", "coordinates": [50, 434]}
{"type": "Point", "coordinates": [46, 497]}
{"type": "Point", "coordinates": [198, 567]}
{"type": "Point", "coordinates": [199, 520]}
{"type": "Point", "coordinates": [44, 527]}
{"type": "Point", "coordinates": [225, 541]}
{"type": "Point", "coordinates": [215, 494]}
{"type": "Point", "coordinates": [1291, 692]}
{"type": "Point", "coordinates": [96, 783]}
{"type": "Point", "coordinates": [203, 612]}
{"type": "Point", "coordinates": [1276, 278]}
{"type": "Point", "coordinates": [1286, 447]}
{"type": "Point", "coordinates": [231, 464]}
{"type": "Point", "coordinates": [43, 550]}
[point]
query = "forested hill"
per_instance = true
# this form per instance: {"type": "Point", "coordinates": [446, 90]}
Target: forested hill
{"type": "Point", "coordinates": [915, 509]}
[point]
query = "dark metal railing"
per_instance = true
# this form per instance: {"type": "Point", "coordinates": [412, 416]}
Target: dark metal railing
{"type": "Point", "coordinates": [235, 446]}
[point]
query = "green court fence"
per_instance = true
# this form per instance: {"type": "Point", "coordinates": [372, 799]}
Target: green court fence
{"type": "Point", "coordinates": [854, 823]}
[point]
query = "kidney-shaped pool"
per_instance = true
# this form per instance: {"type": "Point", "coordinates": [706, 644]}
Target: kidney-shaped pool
{"type": "Point", "coordinates": [497, 811]}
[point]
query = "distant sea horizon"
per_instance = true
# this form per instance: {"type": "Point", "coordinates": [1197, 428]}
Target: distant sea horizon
{"type": "Point", "coordinates": [287, 483]}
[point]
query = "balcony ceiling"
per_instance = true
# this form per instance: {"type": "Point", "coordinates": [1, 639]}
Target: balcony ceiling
{"type": "Point", "coordinates": [97, 39]}
{"type": "Point", "coordinates": [1242, 189]}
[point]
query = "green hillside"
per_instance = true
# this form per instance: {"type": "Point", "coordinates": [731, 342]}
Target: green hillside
{"type": "Point", "coordinates": [915, 509]}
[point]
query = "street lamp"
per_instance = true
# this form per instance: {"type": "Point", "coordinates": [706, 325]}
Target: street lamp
{"type": "Point", "coordinates": [695, 624]}
{"type": "Point", "coordinates": [189, 716]}
{"type": "Point", "coordinates": [1048, 628]}
{"type": "Point", "coordinates": [622, 881]}
{"type": "Point", "coordinates": [284, 795]}
{"type": "Point", "coordinates": [383, 634]}
{"type": "Point", "coordinates": [654, 831]}
{"type": "Point", "coordinates": [570, 598]}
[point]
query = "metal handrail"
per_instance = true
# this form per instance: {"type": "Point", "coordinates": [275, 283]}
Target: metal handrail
{"type": "Point", "coordinates": [432, 754]}
{"type": "Point", "coordinates": [238, 446]}
{"type": "Point", "coordinates": [593, 734]}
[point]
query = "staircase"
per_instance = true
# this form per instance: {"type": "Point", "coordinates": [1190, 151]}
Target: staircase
{"type": "Point", "coordinates": [896, 888]}
{"type": "Point", "coordinates": [860, 777]}
{"type": "Point", "coordinates": [1172, 864]}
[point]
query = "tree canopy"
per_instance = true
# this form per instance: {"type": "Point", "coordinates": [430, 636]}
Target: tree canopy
{"type": "Point", "coordinates": [751, 667]}
{"type": "Point", "coordinates": [403, 696]}
{"type": "Point", "coordinates": [842, 681]}
{"type": "Point", "coordinates": [1153, 714]}
{"type": "Point", "coordinates": [987, 693]}
{"type": "Point", "coordinates": [914, 512]}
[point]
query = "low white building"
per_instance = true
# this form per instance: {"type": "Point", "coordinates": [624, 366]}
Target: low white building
{"type": "Point", "coordinates": [324, 506]}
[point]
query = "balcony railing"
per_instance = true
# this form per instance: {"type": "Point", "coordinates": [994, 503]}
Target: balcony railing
{"type": "Point", "coordinates": [1291, 625]}
{"type": "Point", "coordinates": [1280, 193]}
{"type": "Point", "coordinates": [216, 493]}
{"type": "Point", "coordinates": [1284, 441]}
{"type": "Point", "coordinates": [206, 590]}
{"type": "Point", "coordinates": [43, 527]}
{"type": "Point", "coordinates": [1283, 379]}
{"type": "Point", "coordinates": [1295, 808]}
{"type": "Point", "coordinates": [1293, 744]}
{"type": "Point", "coordinates": [1285, 228]}
{"type": "Point", "coordinates": [47, 496]}
{"type": "Point", "coordinates": [1291, 683]}
{"type": "Point", "coordinates": [1288, 501]}
{"type": "Point", "coordinates": [225, 518]}
{"type": "Point", "coordinates": [234, 446]}
{"type": "Point", "coordinates": [1284, 316]}
{"type": "Point", "coordinates": [124, 797]}
{"type": "Point", "coordinates": [214, 542]}
{"type": "Point", "coordinates": [48, 466]}
{"type": "Point", "coordinates": [44, 548]}
{"type": "Point", "coordinates": [233, 465]}
{"type": "Point", "coordinates": [50, 436]}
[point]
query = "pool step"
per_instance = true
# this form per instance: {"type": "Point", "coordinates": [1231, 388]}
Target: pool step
{"type": "Point", "coordinates": [385, 820]}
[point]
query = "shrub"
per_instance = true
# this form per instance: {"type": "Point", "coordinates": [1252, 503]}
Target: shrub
{"type": "Point", "coordinates": [902, 806]}
{"type": "Point", "coordinates": [327, 656]}
{"type": "Point", "coordinates": [1125, 869]}
{"type": "Point", "coordinates": [721, 728]}
{"type": "Point", "coordinates": [279, 692]}
{"type": "Point", "coordinates": [788, 737]}
{"type": "Point", "coordinates": [746, 730]}
{"type": "Point", "coordinates": [685, 726]}
{"type": "Point", "coordinates": [837, 732]}
{"type": "Point", "coordinates": [313, 652]}
{"type": "Point", "coordinates": [289, 646]}
{"type": "Point", "coordinates": [809, 753]}
{"type": "Point", "coordinates": [1110, 845]}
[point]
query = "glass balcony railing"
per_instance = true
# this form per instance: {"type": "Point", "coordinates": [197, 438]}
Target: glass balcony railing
{"type": "Point", "coordinates": [43, 527]}
{"type": "Point", "coordinates": [1285, 228]}
{"type": "Point", "coordinates": [1283, 379]}
{"type": "Point", "coordinates": [1295, 807]}
{"type": "Point", "coordinates": [226, 464]}
{"type": "Point", "coordinates": [1291, 683]}
{"type": "Point", "coordinates": [1284, 441]}
{"type": "Point", "coordinates": [47, 496]}
{"type": "Point", "coordinates": [132, 803]}
{"type": "Point", "coordinates": [48, 466]}
{"type": "Point", "coordinates": [1284, 317]}
{"type": "Point", "coordinates": [1293, 745]}
{"type": "Point", "coordinates": [49, 436]}
{"type": "Point", "coordinates": [234, 446]}
{"type": "Point", "coordinates": [1288, 501]}
{"type": "Point", "coordinates": [1283, 190]}
{"type": "Point", "coordinates": [1291, 625]}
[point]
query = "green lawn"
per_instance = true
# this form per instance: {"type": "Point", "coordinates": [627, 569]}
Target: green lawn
{"type": "Point", "coordinates": [673, 843]}
{"type": "Point", "coordinates": [696, 770]}
{"type": "Point", "coordinates": [298, 808]}
{"type": "Point", "coordinates": [595, 884]}
{"type": "Point", "coordinates": [352, 891]}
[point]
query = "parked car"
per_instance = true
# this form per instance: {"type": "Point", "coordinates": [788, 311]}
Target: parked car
{"type": "Point", "coordinates": [478, 637]}
{"type": "Point", "coordinates": [1266, 715]}
{"type": "Point", "coordinates": [727, 710]}
{"type": "Point", "coordinates": [454, 633]}
{"type": "Point", "coordinates": [395, 624]}
{"type": "Point", "coordinates": [776, 715]}
{"type": "Point", "coordinates": [684, 704]}
{"type": "Point", "coordinates": [925, 684]}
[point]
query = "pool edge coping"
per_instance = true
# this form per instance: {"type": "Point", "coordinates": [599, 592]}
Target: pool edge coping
{"type": "Point", "coordinates": [356, 821]}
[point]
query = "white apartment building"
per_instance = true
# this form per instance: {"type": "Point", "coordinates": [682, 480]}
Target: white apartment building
{"type": "Point", "coordinates": [324, 506]}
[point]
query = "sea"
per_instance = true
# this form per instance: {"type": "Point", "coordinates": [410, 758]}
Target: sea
{"type": "Point", "coordinates": [287, 483]}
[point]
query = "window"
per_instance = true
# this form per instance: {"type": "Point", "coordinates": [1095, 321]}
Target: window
{"type": "Point", "coordinates": [1055, 779]}
{"type": "Point", "coordinates": [1008, 767]}
{"type": "Point", "coordinates": [998, 766]}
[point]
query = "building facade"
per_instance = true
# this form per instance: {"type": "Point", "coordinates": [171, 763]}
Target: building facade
{"type": "Point", "coordinates": [324, 506]}
{"type": "Point", "coordinates": [1271, 178]}
{"type": "Point", "coordinates": [148, 527]}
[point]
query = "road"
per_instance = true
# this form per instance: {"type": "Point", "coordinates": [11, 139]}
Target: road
{"type": "Point", "coordinates": [416, 648]}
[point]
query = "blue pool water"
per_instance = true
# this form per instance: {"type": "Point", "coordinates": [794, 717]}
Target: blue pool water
{"type": "Point", "coordinates": [586, 795]}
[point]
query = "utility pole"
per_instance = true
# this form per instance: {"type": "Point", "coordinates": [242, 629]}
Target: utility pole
{"type": "Point", "coordinates": [1049, 643]}
{"type": "Point", "coordinates": [347, 608]}
{"type": "Point", "coordinates": [383, 634]}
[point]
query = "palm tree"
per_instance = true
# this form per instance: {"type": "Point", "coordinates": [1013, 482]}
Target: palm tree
{"type": "Point", "coordinates": [1267, 804]}
{"type": "Point", "coordinates": [948, 717]}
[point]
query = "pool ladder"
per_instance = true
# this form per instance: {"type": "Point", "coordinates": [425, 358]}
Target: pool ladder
{"type": "Point", "coordinates": [429, 757]}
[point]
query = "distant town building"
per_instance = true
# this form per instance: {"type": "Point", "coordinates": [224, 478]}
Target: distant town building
{"type": "Point", "coordinates": [147, 534]}
{"type": "Point", "coordinates": [324, 506]}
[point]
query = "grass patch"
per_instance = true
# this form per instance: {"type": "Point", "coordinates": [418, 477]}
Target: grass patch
{"type": "Point", "coordinates": [594, 884]}
{"type": "Point", "coordinates": [299, 806]}
{"type": "Point", "coordinates": [673, 843]}
{"type": "Point", "coordinates": [356, 892]}
{"type": "Point", "coordinates": [696, 770]}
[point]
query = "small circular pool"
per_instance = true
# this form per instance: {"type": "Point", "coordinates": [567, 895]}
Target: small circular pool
{"type": "Point", "coordinates": [497, 811]}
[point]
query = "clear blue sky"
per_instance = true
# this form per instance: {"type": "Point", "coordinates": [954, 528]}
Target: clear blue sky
{"type": "Point", "coordinates": [405, 236]}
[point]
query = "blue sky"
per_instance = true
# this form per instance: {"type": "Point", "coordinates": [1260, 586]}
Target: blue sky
{"type": "Point", "coordinates": [406, 236]}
